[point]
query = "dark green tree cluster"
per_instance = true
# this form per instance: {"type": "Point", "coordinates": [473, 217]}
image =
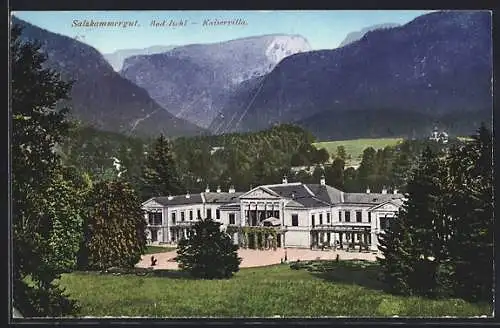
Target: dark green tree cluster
{"type": "Point", "coordinates": [46, 213]}
{"type": "Point", "coordinates": [208, 252]}
{"type": "Point", "coordinates": [160, 172]}
{"type": "Point", "coordinates": [114, 234]}
{"type": "Point", "coordinates": [93, 151]}
{"type": "Point", "coordinates": [54, 195]}
{"type": "Point", "coordinates": [242, 159]}
{"type": "Point", "coordinates": [441, 243]}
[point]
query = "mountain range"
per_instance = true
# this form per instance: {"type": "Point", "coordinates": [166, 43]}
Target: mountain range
{"type": "Point", "coordinates": [434, 68]}
{"type": "Point", "coordinates": [194, 81]}
{"type": "Point", "coordinates": [384, 80]}
{"type": "Point", "coordinates": [356, 35]}
{"type": "Point", "coordinates": [100, 97]}
{"type": "Point", "coordinates": [116, 59]}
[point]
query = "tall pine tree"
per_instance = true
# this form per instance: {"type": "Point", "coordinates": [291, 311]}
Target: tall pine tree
{"type": "Point", "coordinates": [160, 175]}
{"type": "Point", "coordinates": [46, 213]}
{"type": "Point", "coordinates": [471, 207]}
{"type": "Point", "coordinates": [424, 219]}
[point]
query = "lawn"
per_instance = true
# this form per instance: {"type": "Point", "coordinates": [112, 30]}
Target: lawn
{"type": "Point", "coordinates": [333, 290]}
{"type": "Point", "coordinates": [355, 147]}
{"type": "Point", "coordinates": [158, 249]}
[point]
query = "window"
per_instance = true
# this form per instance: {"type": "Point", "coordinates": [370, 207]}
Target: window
{"type": "Point", "coordinates": [199, 214]}
{"type": "Point", "coordinates": [190, 215]}
{"type": "Point", "coordinates": [328, 218]}
{"type": "Point", "coordinates": [231, 218]}
{"type": "Point", "coordinates": [154, 235]}
{"type": "Point", "coordinates": [320, 219]}
{"type": "Point", "coordinates": [370, 217]}
{"type": "Point", "coordinates": [340, 216]}
{"type": "Point", "coordinates": [347, 216]}
{"type": "Point", "coordinates": [209, 213]}
{"type": "Point", "coordinates": [313, 219]}
{"type": "Point", "coordinates": [173, 217]}
{"type": "Point", "coordinates": [295, 220]}
{"type": "Point", "coordinates": [358, 216]}
{"type": "Point", "coordinates": [217, 214]}
{"type": "Point", "coordinates": [277, 214]}
{"type": "Point", "coordinates": [182, 216]}
{"type": "Point", "coordinates": [154, 218]}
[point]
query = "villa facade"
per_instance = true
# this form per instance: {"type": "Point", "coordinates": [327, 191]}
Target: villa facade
{"type": "Point", "coordinates": [304, 215]}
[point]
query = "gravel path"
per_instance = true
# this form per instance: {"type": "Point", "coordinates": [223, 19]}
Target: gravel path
{"type": "Point", "coordinates": [256, 258]}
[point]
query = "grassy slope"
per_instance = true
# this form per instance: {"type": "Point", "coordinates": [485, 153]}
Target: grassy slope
{"type": "Point", "coordinates": [355, 147]}
{"type": "Point", "coordinates": [254, 292]}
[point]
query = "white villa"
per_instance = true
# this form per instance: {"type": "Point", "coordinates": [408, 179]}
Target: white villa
{"type": "Point", "coordinates": [304, 215]}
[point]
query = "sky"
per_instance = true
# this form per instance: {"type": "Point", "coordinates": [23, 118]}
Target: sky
{"type": "Point", "coordinates": [324, 29]}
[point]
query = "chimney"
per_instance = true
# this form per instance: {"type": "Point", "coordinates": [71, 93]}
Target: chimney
{"type": "Point", "coordinates": [395, 191]}
{"type": "Point", "coordinates": [231, 189]}
{"type": "Point", "coordinates": [285, 180]}
{"type": "Point", "coordinates": [322, 180]}
{"type": "Point", "coordinates": [384, 190]}
{"type": "Point", "coordinates": [188, 195]}
{"type": "Point", "coordinates": [368, 190]}
{"type": "Point", "coordinates": [207, 189]}
{"type": "Point", "coordinates": [170, 197]}
{"type": "Point", "coordinates": [218, 189]}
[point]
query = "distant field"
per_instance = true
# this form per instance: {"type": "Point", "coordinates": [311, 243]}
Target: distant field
{"type": "Point", "coordinates": [355, 147]}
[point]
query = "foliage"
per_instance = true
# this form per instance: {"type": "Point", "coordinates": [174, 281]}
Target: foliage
{"type": "Point", "coordinates": [115, 227]}
{"type": "Point", "coordinates": [208, 253]}
{"type": "Point", "coordinates": [441, 243]}
{"type": "Point", "coordinates": [92, 151]}
{"type": "Point", "coordinates": [242, 159]}
{"type": "Point", "coordinates": [471, 206]}
{"type": "Point", "coordinates": [160, 176]}
{"type": "Point", "coordinates": [46, 213]}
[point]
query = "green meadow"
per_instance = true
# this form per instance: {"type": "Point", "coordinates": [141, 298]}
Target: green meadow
{"type": "Point", "coordinates": [331, 289]}
{"type": "Point", "coordinates": [355, 147]}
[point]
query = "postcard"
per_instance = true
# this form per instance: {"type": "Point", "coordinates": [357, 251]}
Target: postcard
{"type": "Point", "coordinates": [245, 164]}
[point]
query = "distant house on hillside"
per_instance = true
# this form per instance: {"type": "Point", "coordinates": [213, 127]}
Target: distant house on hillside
{"type": "Point", "coordinates": [215, 149]}
{"type": "Point", "coordinates": [439, 136]}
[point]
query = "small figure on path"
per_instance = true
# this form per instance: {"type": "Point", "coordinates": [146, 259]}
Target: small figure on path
{"type": "Point", "coordinates": [153, 261]}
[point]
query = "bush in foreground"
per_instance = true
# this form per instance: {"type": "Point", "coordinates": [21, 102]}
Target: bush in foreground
{"type": "Point", "coordinates": [208, 253]}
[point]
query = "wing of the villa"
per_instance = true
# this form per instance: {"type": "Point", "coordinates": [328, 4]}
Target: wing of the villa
{"type": "Point", "coordinates": [304, 215]}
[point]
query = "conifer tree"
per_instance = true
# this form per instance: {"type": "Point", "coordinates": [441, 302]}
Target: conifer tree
{"type": "Point", "coordinates": [46, 216]}
{"type": "Point", "coordinates": [471, 207]}
{"type": "Point", "coordinates": [208, 252]}
{"type": "Point", "coordinates": [160, 173]}
{"type": "Point", "coordinates": [425, 218]}
{"type": "Point", "coordinates": [396, 260]}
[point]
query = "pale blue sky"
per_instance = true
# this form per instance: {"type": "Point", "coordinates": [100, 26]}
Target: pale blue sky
{"type": "Point", "coordinates": [323, 29]}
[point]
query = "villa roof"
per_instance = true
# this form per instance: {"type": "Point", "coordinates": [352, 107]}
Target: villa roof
{"type": "Point", "coordinates": [299, 195]}
{"type": "Point", "coordinates": [292, 191]}
{"type": "Point", "coordinates": [312, 202]}
{"type": "Point", "coordinates": [179, 200]}
{"type": "Point", "coordinates": [222, 197]}
{"type": "Point", "coordinates": [364, 198]}
{"type": "Point", "coordinates": [326, 193]}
